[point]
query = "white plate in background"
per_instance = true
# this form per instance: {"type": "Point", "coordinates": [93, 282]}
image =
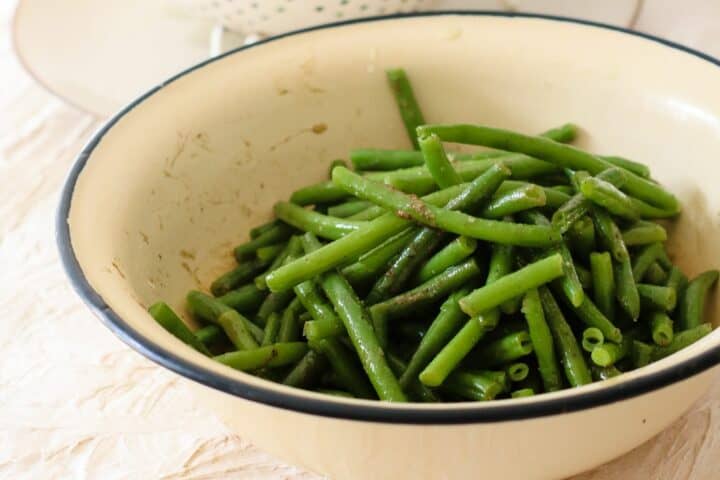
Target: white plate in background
{"type": "Point", "coordinates": [99, 55]}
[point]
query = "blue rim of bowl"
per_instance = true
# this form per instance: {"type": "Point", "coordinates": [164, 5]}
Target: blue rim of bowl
{"type": "Point", "coordinates": [382, 411]}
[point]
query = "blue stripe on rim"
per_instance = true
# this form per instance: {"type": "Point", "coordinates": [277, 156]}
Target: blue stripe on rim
{"type": "Point", "coordinates": [382, 412]}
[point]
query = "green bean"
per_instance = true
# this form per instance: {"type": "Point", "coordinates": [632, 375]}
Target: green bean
{"type": "Point", "coordinates": [518, 371]}
{"type": "Point", "coordinates": [318, 329]}
{"type": "Point", "coordinates": [292, 249]}
{"type": "Point", "coordinates": [681, 340]}
{"type": "Point", "coordinates": [374, 159]}
{"type": "Point", "coordinates": [323, 192]}
{"type": "Point", "coordinates": [608, 354]}
{"type": "Point", "coordinates": [349, 208]}
{"type": "Point", "coordinates": [564, 189]}
{"type": "Point", "coordinates": [570, 282]}
{"type": "Point", "coordinates": [646, 257]}
{"type": "Point", "coordinates": [307, 372]}
{"type": "Point", "coordinates": [571, 357]}
{"type": "Point", "coordinates": [562, 155]}
{"type": "Point", "coordinates": [437, 162]}
{"type": "Point", "coordinates": [272, 327]}
{"type": "Point", "coordinates": [450, 356]}
{"type": "Point", "coordinates": [318, 307]}
{"type": "Point", "coordinates": [589, 314]}
{"type": "Point", "coordinates": [270, 253]}
{"type": "Point", "coordinates": [476, 385]}
{"type": "Point", "coordinates": [603, 283]}
{"type": "Point", "coordinates": [501, 263]}
{"type": "Point", "coordinates": [343, 363]}
{"type": "Point", "coordinates": [370, 213]}
{"type": "Point", "coordinates": [609, 234]}
{"type": "Point", "coordinates": [290, 325]}
{"type": "Point", "coordinates": [692, 302]}
{"type": "Point", "coordinates": [578, 206]}
{"type": "Point", "coordinates": [259, 230]}
{"type": "Point", "coordinates": [643, 233]}
{"type": "Point", "coordinates": [274, 302]}
{"type": "Point", "coordinates": [371, 264]}
{"type": "Point", "coordinates": [428, 292]}
{"type": "Point", "coordinates": [278, 233]}
{"type": "Point", "coordinates": [417, 390]}
{"type": "Point", "coordinates": [405, 98]}
{"type": "Point", "coordinates": [237, 330]}
{"type": "Point", "coordinates": [441, 330]}
{"type": "Point", "coordinates": [655, 297]}
{"type": "Point", "coordinates": [542, 341]}
{"type": "Point", "coordinates": [607, 196]}
{"type": "Point", "coordinates": [317, 223]}
{"type": "Point", "coordinates": [210, 309]}
{"type": "Point", "coordinates": [655, 275]}
{"type": "Point", "coordinates": [353, 244]}
{"type": "Point", "coordinates": [642, 354]}
{"type": "Point", "coordinates": [634, 167]}
{"type": "Point", "coordinates": [605, 373]}
{"type": "Point", "coordinates": [209, 334]}
{"type": "Point", "coordinates": [234, 278]}
{"type": "Point", "coordinates": [564, 133]}
{"type": "Point", "coordinates": [453, 253]}
{"type": "Point", "coordinates": [245, 299]}
{"type": "Point", "coordinates": [523, 198]}
{"type": "Point", "coordinates": [584, 276]}
{"type": "Point", "coordinates": [168, 319]}
{"type": "Point", "coordinates": [338, 162]}
{"type": "Point", "coordinates": [661, 329]}
{"type": "Point", "coordinates": [512, 285]}
{"type": "Point", "coordinates": [523, 392]}
{"type": "Point", "coordinates": [626, 291]}
{"type": "Point", "coordinates": [678, 281]}
{"type": "Point", "coordinates": [553, 198]}
{"type": "Point", "coordinates": [591, 338]}
{"type": "Point", "coordinates": [277, 355]}
{"type": "Point", "coordinates": [580, 238]}
{"type": "Point", "coordinates": [504, 350]}
{"type": "Point", "coordinates": [448, 220]}
{"type": "Point", "coordinates": [357, 323]}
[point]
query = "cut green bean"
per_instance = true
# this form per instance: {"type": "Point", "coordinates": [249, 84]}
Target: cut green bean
{"type": "Point", "coordinates": [504, 350]}
{"type": "Point", "coordinates": [348, 209]}
{"type": "Point", "coordinates": [417, 390]}
{"type": "Point", "coordinates": [584, 276]}
{"type": "Point", "coordinates": [357, 324]}
{"type": "Point", "coordinates": [692, 303]}
{"type": "Point", "coordinates": [603, 283]}
{"type": "Point", "coordinates": [448, 220]}
{"type": "Point", "coordinates": [338, 162]}
{"type": "Point", "coordinates": [642, 354]}
{"type": "Point", "coordinates": [405, 98]}
{"type": "Point", "coordinates": [638, 169]}
{"type": "Point", "coordinates": [522, 198]}
{"type": "Point", "coordinates": [646, 257]}
{"type": "Point", "coordinates": [237, 330]}
{"type": "Point", "coordinates": [168, 319]}
{"type": "Point", "coordinates": [209, 335]}
{"type": "Point", "coordinates": [523, 392]}
{"type": "Point", "coordinates": [681, 340]}
{"type": "Point", "coordinates": [441, 330]}
{"type": "Point", "coordinates": [655, 297]}
{"type": "Point", "coordinates": [318, 307]}
{"type": "Point", "coordinates": [591, 338]}
{"type": "Point", "coordinates": [210, 309]}
{"type": "Point", "coordinates": [323, 192]}
{"type": "Point", "coordinates": [269, 253]}
{"type": "Point", "coordinates": [661, 329]}
{"type": "Point", "coordinates": [245, 299]}
{"type": "Point", "coordinates": [308, 371]}
{"type": "Point", "coordinates": [292, 249]}
{"type": "Point", "coordinates": [512, 285]}
{"type": "Point", "coordinates": [453, 253]}
{"type": "Point", "coordinates": [518, 371]}
{"type": "Point", "coordinates": [581, 237]}
{"type": "Point", "coordinates": [241, 274]}
{"type": "Point", "coordinates": [678, 281]}
{"type": "Point", "coordinates": [608, 354]}
{"type": "Point", "coordinates": [560, 154]}
{"type": "Point", "coordinates": [348, 372]}
{"type": "Point", "coordinates": [564, 133]}
{"type": "Point", "coordinates": [277, 355]}
{"type": "Point", "coordinates": [259, 230]}
{"type": "Point", "coordinates": [371, 264]}
{"type": "Point", "coordinates": [644, 233]}
{"type": "Point", "coordinates": [428, 292]}
{"type": "Point", "coordinates": [589, 314]}
{"type": "Point", "coordinates": [452, 354]}
{"type": "Point", "coordinates": [276, 234]}
{"type": "Point", "coordinates": [290, 324]}
{"type": "Point", "coordinates": [605, 194]}
{"type": "Point", "coordinates": [272, 327]}
{"type": "Point", "coordinates": [609, 234]}
{"type": "Point", "coordinates": [626, 291]}
{"type": "Point", "coordinates": [317, 223]}
{"type": "Point", "coordinates": [475, 385]}
{"type": "Point", "coordinates": [571, 357]}
{"type": "Point", "coordinates": [655, 275]}
{"type": "Point", "coordinates": [437, 162]}
{"type": "Point", "coordinates": [542, 341]}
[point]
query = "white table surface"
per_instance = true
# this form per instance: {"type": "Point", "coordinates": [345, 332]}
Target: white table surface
{"type": "Point", "coordinates": [75, 402]}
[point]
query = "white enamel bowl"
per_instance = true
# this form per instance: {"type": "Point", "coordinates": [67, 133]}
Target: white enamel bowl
{"type": "Point", "coordinates": [160, 195]}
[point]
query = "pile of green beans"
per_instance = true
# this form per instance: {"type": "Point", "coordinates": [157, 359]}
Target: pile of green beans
{"type": "Point", "coordinates": [431, 276]}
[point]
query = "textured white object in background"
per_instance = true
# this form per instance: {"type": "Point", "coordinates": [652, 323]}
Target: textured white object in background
{"type": "Point", "coordinates": [75, 402]}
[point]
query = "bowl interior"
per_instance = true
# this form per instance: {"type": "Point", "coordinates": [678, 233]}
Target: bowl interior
{"type": "Point", "coordinates": [180, 177]}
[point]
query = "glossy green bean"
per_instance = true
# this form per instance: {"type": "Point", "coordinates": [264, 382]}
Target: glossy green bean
{"type": "Point", "coordinates": [643, 233]}
{"type": "Point", "coordinates": [692, 303]}
{"type": "Point", "coordinates": [348, 209]}
{"type": "Point", "coordinates": [473, 385]}
{"type": "Point", "coordinates": [321, 225]}
{"type": "Point", "coordinates": [681, 340]}
{"type": "Point", "coordinates": [608, 354]}
{"type": "Point", "coordinates": [661, 329]}
{"type": "Point", "coordinates": [646, 257]}
{"type": "Point", "coordinates": [308, 371]}
{"type": "Point", "coordinates": [277, 355]}
{"type": "Point", "coordinates": [452, 254]}
{"type": "Point", "coordinates": [272, 327]}
{"type": "Point", "coordinates": [372, 264]}
{"type": "Point", "coordinates": [626, 291]}
{"type": "Point", "coordinates": [637, 168]}
{"type": "Point", "coordinates": [437, 162]}
{"type": "Point", "coordinates": [292, 249]}
{"type": "Point", "coordinates": [245, 299]}
{"type": "Point", "coordinates": [237, 330]}
{"type": "Point", "coordinates": [609, 234]}
{"type": "Point", "coordinates": [209, 334]}
{"type": "Point", "coordinates": [605, 195]}
{"type": "Point", "coordinates": [290, 324]}
{"type": "Point", "coordinates": [347, 371]}
{"type": "Point", "coordinates": [522, 198]}
{"type": "Point", "coordinates": [655, 297]}
{"type": "Point", "coordinates": [518, 371]}
{"type": "Point", "coordinates": [169, 320]}
{"type": "Point", "coordinates": [603, 283]}
{"type": "Point", "coordinates": [407, 104]}
{"type": "Point", "coordinates": [591, 338]}
{"type": "Point", "coordinates": [542, 341]}
{"type": "Point", "coordinates": [503, 350]}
